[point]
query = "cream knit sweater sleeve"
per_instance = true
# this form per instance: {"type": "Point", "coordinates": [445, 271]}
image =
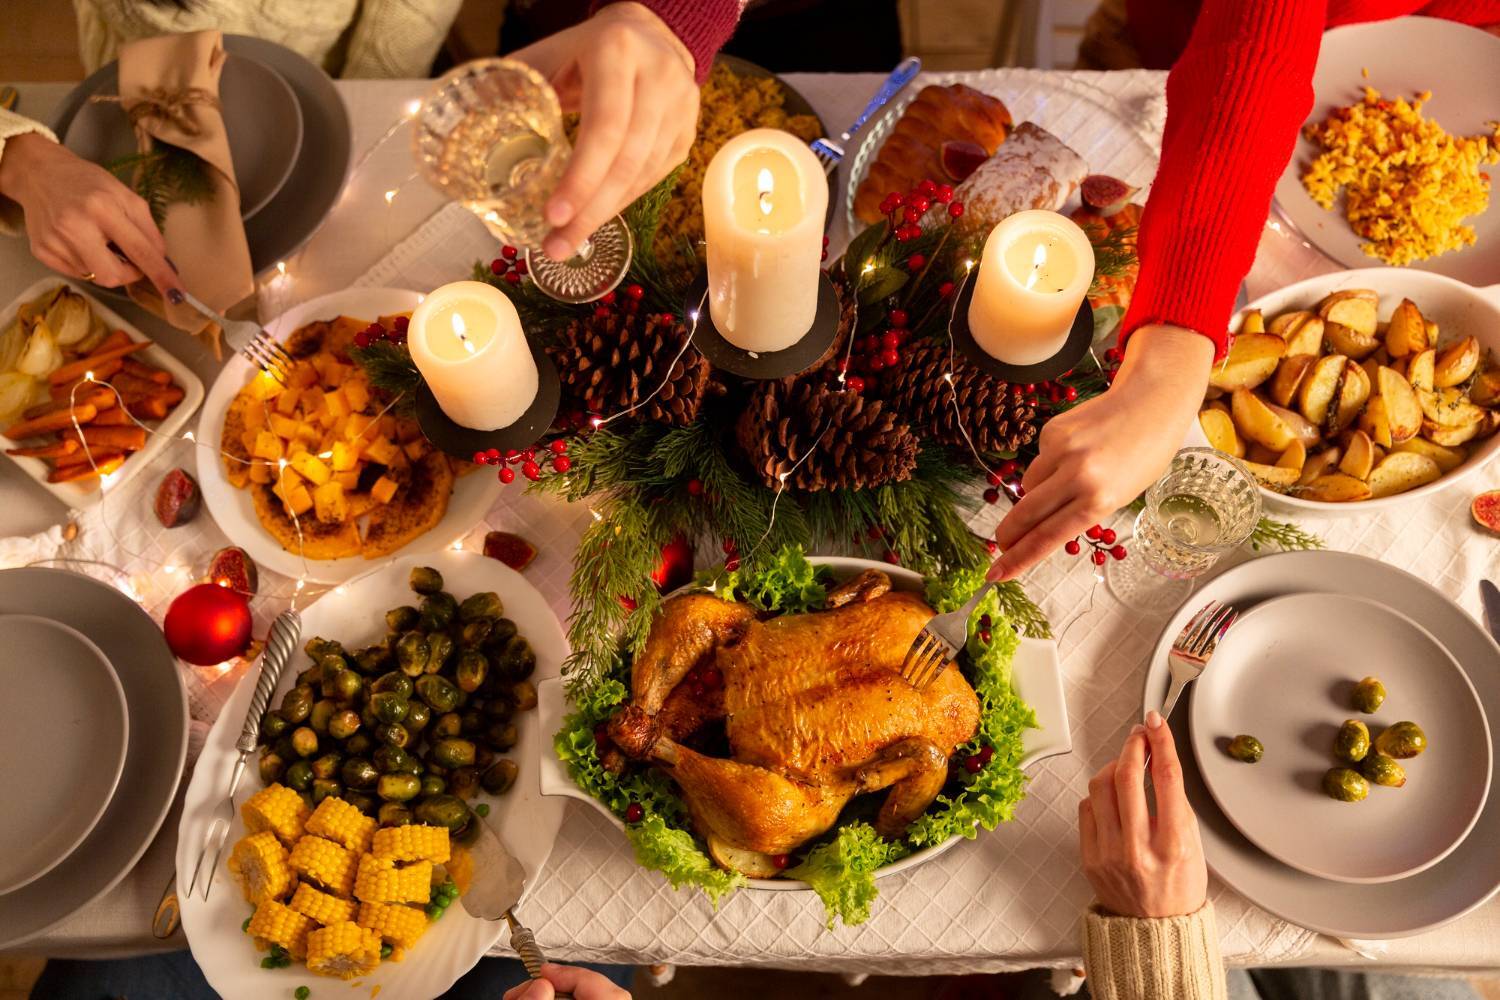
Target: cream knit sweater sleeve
{"type": "Point", "coordinates": [12, 125]}
{"type": "Point", "coordinates": [398, 38]}
{"type": "Point", "coordinates": [1171, 958]}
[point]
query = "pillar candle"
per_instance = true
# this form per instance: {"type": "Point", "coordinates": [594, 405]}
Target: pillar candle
{"type": "Point", "coordinates": [466, 340]}
{"type": "Point", "coordinates": [1036, 268]}
{"type": "Point", "coordinates": [764, 200]}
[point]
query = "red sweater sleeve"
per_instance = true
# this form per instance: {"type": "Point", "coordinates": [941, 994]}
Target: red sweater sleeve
{"type": "Point", "coordinates": [701, 25]}
{"type": "Point", "coordinates": [1235, 101]}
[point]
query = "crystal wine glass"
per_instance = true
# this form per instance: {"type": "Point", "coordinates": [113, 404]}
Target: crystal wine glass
{"type": "Point", "coordinates": [1206, 504]}
{"type": "Point", "coordinates": [490, 136]}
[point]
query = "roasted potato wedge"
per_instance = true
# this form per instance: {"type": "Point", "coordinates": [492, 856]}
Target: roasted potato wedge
{"type": "Point", "coordinates": [1359, 456]}
{"type": "Point", "coordinates": [1319, 386]}
{"type": "Point", "coordinates": [1401, 471]}
{"type": "Point", "coordinates": [1356, 309]}
{"type": "Point", "coordinates": [1295, 457]}
{"type": "Point", "coordinates": [1284, 324]}
{"type": "Point", "coordinates": [1316, 465]}
{"type": "Point", "coordinates": [1218, 427]}
{"type": "Point", "coordinates": [738, 859]}
{"type": "Point", "coordinates": [1256, 421]}
{"type": "Point", "coordinates": [1374, 422]}
{"type": "Point", "coordinates": [1335, 487]}
{"type": "Point", "coordinates": [1456, 362]}
{"type": "Point", "coordinates": [1449, 407]}
{"type": "Point", "coordinates": [1447, 459]}
{"type": "Point", "coordinates": [1275, 477]}
{"type": "Point", "coordinates": [1347, 340]}
{"type": "Point", "coordinates": [1407, 331]}
{"type": "Point", "coordinates": [1399, 404]}
{"type": "Point", "coordinates": [1303, 430]}
{"type": "Point", "coordinates": [1354, 392]}
{"type": "Point", "coordinates": [1251, 360]}
{"type": "Point", "coordinates": [1289, 374]}
{"type": "Point", "coordinates": [1306, 337]}
{"type": "Point", "coordinates": [1486, 388]}
{"type": "Point", "coordinates": [1451, 437]}
{"type": "Point", "coordinates": [1253, 322]}
{"type": "Point", "coordinates": [1421, 370]}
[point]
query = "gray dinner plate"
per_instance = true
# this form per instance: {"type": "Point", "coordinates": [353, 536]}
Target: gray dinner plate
{"type": "Point", "coordinates": [323, 160]}
{"type": "Point", "coordinates": [157, 747]}
{"type": "Point", "coordinates": [1461, 882]}
{"type": "Point", "coordinates": [262, 120]}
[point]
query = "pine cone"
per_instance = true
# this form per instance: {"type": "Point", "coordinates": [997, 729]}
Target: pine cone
{"type": "Point", "coordinates": [991, 411]}
{"type": "Point", "coordinates": [841, 439]}
{"type": "Point", "coordinates": [610, 362]}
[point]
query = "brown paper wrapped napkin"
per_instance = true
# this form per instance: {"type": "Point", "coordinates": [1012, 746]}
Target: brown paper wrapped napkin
{"type": "Point", "coordinates": [169, 86]}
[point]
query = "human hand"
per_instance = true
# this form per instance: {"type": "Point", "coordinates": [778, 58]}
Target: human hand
{"type": "Point", "coordinates": [76, 209]}
{"type": "Point", "coordinates": [1099, 456]}
{"type": "Point", "coordinates": [632, 81]}
{"type": "Point", "coordinates": [582, 983]}
{"type": "Point", "coordinates": [1140, 865]}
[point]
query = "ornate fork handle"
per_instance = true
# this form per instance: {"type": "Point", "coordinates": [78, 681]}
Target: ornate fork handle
{"type": "Point", "coordinates": [280, 646]}
{"type": "Point", "coordinates": [524, 943]}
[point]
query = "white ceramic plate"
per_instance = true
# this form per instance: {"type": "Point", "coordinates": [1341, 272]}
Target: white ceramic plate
{"type": "Point", "coordinates": [87, 492]}
{"type": "Point", "coordinates": [1038, 678]}
{"type": "Point", "coordinates": [234, 511]}
{"type": "Point", "coordinates": [1460, 311]}
{"type": "Point", "coordinates": [1461, 882]}
{"type": "Point", "coordinates": [63, 733]}
{"type": "Point", "coordinates": [1284, 674]}
{"type": "Point", "coordinates": [525, 821]}
{"type": "Point", "coordinates": [1460, 65]}
{"type": "Point", "coordinates": [158, 714]}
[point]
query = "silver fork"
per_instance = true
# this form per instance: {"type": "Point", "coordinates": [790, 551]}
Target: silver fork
{"type": "Point", "coordinates": [1193, 647]}
{"type": "Point", "coordinates": [830, 152]}
{"type": "Point", "coordinates": [250, 340]}
{"type": "Point", "coordinates": [939, 642]}
{"type": "Point", "coordinates": [285, 631]}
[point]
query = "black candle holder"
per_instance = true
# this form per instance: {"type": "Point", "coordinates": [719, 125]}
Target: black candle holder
{"type": "Point", "coordinates": [764, 364]}
{"type": "Point", "coordinates": [1080, 339]}
{"type": "Point", "coordinates": [462, 442]}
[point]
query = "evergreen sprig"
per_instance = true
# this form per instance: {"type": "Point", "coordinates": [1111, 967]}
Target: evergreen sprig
{"type": "Point", "coordinates": [1114, 254]}
{"type": "Point", "coordinates": [1282, 535]}
{"type": "Point", "coordinates": [163, 176]}
{"type": "Point", "coordinates": [389, 368]}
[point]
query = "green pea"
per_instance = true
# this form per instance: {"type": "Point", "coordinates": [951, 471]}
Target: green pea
{"type": "Point", "coordinates": [301, 993]}
{"type": "Point", "coordinates": [483, 809]}
{"type": "Point", "coordinates": [246, 925]}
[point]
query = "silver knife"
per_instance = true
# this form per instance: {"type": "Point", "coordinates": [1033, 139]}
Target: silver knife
{"type": "Point", "coordinates": [831, 152]}
{"type": "Point", "coordinates": [1490, 595]}
{"type": "Point", "coordinates": [494, 892]}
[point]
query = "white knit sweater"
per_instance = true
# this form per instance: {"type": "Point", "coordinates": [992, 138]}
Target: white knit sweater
{"type": "Point", "coordinates": [1172, 958]}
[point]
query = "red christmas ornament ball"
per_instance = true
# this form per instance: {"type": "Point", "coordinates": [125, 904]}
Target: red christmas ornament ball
{"type": "Point", "coordinates": [675, 568]}
{"type": "Point", "coordinates": [207, 624]}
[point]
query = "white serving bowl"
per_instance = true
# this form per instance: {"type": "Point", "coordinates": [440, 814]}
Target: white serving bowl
{"type": "Point", "coordinates": [1037, 672]}
{"type": "Point", "coordinates": [1459, 310]}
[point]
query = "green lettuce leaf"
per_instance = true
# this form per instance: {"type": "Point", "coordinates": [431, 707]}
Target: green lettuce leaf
{"type": "Point", "coordinates": [787, 584]}
{"type": "Point", "coordinates": [842, 871]}
{"type": "Point", "coordinates": [673, 852]}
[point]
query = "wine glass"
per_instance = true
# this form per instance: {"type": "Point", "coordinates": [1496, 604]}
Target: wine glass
{"type": "Point", "coordinates": [1206, 504]}
{"type": "Point", "coordinates": [490, 136]}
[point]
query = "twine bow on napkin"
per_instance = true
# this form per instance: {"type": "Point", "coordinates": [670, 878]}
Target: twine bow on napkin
{"type": "Point", "coordinates": [170, 106]}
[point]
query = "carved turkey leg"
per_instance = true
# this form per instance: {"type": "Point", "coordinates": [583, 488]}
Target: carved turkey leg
{"type": "Point", "coordinates": [915, 770]}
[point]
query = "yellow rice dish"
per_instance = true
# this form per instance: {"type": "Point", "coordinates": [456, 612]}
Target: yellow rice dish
{"type": "Point", "coordinates": [1408, 185]}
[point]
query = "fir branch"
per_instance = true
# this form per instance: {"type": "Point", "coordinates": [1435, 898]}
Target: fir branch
{"type": "Point", "coordinates": [389, 368]}
{"type": "Point", "coordinates": [1282, 535]}
{"type": "Point", "coordinates": [163, 176]}
{"type": "Point", "coordinates": [1114, 255]}
{"type": "Point", "coordinates": [1023, 611]}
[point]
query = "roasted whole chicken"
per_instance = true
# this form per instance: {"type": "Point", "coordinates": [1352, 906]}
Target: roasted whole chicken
{"type": "Point", "coordinates": [813, 707]}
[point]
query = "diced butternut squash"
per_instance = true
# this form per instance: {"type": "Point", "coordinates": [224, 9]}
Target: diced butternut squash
{"type": "Point", "coordinates": [312, 401]}
{"type": "Point", "coordinates": [383, 490]}
{"type": "Point", "coordinates": [349, 480]}
{"type": "Point", "coordinates": [267, 446]}
{"type": "Point", "coordinates": [330, 503]}
{"type": "Point", "coordinates": [337, 402]}
{"type": "Point", "coordinates": [344, 457]}
{"type": "Point", "coordinates": [284, 427]}
{"type": "Point", "coordinates": [302, 375]}
{"type": "Point", "coordinates": [415, 449]}
{"type": "Point", "coordinates": [264, 386]}
{"type": "Point", "coordinates": [355, 425]}
{"type": "Point", "coordinates": [381, 450]}
{"type": "Point", "coordinates": [260, 471]}
{"type": "Point", "coordinates": [238, 474]}
{"type": "Point", "coordinates": [357, 392]}
{"type": "Point", "coordinates": [312, 468]}
{"type": "Point", "coordinates": [294, 495]}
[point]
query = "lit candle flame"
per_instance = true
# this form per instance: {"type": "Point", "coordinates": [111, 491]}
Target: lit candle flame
{"type": "Point", "coordinates": [765, 182]}
{"type": "Point", "coordinates": [1038, 259]}
{"type": "Point", "coordinates": [458, 331]}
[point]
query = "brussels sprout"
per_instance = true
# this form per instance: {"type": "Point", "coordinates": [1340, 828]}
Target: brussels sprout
{"type": "Point", "coordinates": [298, 776]}
{"type": "Point", "coordinates": [398, 787]}
{"type": "Point", "coordinates": [472, 666]}
{"type": "Point", "coordinates": [485, 604]}
{"type": "Point", "coordinates": [272, 725]}
{"type": "Point", "coordinates": [1402, 741]}
{"type": "Point", "coordinates": [418, 714]}
{"type": "Point", "coordinates": [426, 580]}
{"type": "Point", "coordinates": [394, 760]}
{"type": "Point", "coordinates": [360, 773]}
{"type": "Point", "coordinates": [445, 725]}
{"type": "Point", "coordinates": [471, 722]}
{"type": "Point", "coordinates": [443, 810]}
{"type": "Point", "coordinates": [318, 647]}
{"type": "Point", "coordinates": [500, 708]}
{"type": "Point", "coordinates": [516, 660]}
{"type": "Point", "coordinates": [473, 634]}
{"type": "Point", "coordinates": [297, 703]}
{"type": "Point", "coordinates": [374, 658]}
{"type": "Point", "coordinates": [272, 766]}
{"type": "Point", "coordinates": [359, 743]}
{"type": "Point", "coordinates": [402, 619]}
{"type": "Point", "coordinates": [501, 632]}
{"type": "Point", "coordinates": [366, 804]}
{"type": "Point", "coordinates": [1345, 784]}
{"type": "Point", "coordinates": [1352, 741]}
{"type": "Point", "coordinates": [464, 782]}
{"type": "Point", "coordinates": [304, 741]}
{"type": "Point", "coordinates": [395, 682]}
{"type": "Point", "coordinates": [283, 748]}
{"type": "Point", "coordinates": [344, 687]}
{"type": "Point", "coordinates": [323, 788]}
{"type": "Point", "coordinates": [322, 710]}
{"type": "Point", "coordinates": [437, 611]}
{"type": "Point", "coordinates": [452, 753]}
{"type": "Point", "coordinates": [1247, 748]}
{"type": "Point", "coordinates": [499, 776]}
{"type": "Point", "coordinates": [438, 692]}
{"type": "Point", "coordinates": [393, 814]}
{"type": "Point", "coordinates": [1382, 770]}
{"type": "Point", "coordinates": [524, 696]}
{"type": "Point", "coordinates": [412, 652]}
{"type": "Point", "coordinates": [439, 648]}
{"type": "Point", "coordinates": [311, 677]}
{"type": "Point", "coordinates": [392, 733]}
{"type": "Point", "coordinates": [389, 706]}
{"type": "Point", "coordinates": [327, 766]}
{"type": "Point", "coordinates": [433, 785]}
{"type": "Point", "coordinates": [329, 667]}
{"type": "Point", "coordinates": [344, 724]}
{"type": "Point", "coordinates": [501, 736]}
{"type": "Point", "coordinates": [483, 757]}
{"type": "Point", "coordinates": [1368, 695]}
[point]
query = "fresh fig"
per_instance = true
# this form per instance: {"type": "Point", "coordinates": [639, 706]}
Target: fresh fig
{"type": "Point", "coordinates": [961, 158]}
{"type": "Point", "coordinates": [177, 499]}
{"type": "Point", "coordinates": [513, 550]}
{"type": "Point", "coordinates": [231, 567]}
{"type": "Point", "coordinates": [1104, 194]}
{"type": "Point", "coordinates": [1486, 511]}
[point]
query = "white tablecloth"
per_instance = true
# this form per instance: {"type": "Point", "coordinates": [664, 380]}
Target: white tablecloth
{"type": "Point", "coordinates": [1012, 899]}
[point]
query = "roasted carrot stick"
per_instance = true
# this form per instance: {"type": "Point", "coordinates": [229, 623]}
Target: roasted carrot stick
{"type": "Point", "coordinates": [110, 438]}
{"type": "Point", "coordinates": [142, 370]}
{"type": "Point", "coordinates": [103, 464]}
{"type": "Point", "coordinates": [69, 372]}
{"type": "Point", "coordinates": [102, 397]}
{"type": "Point", "coordinates": [106, 371]}
{"type": "Point", "coordinates": [115, 416]}
{"type": "Point", "coordinates": [157, 406]}
{"type": "Point", "coordinates": [118, 338]}
{"type": "Point", "coordinates": [55, 421]}
{"type": "Point", "coordinates": [56, 449]}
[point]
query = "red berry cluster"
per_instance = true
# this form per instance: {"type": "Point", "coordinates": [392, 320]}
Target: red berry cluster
{"type": "Point", "coordinates": [905, 210]}
{"type": "Point", "coordinates": [1101, 543]}
{"type": "Point", "coordinates": [627, 298]}
{"type": "Point", "coordinates": [531, 460]}
{"type": "Point", "coordinates": [875, 533]}
{"type": "Point", "coordinates": [976, 762]}
{"type": "Point", "coordinates": [1112, 359]}
{"type": "Point", "coordinates": [1005, 474]}
{"type": "Point", "coordinates": [374, 333]}
{"type": "Point", "coordinates": [509, 265]}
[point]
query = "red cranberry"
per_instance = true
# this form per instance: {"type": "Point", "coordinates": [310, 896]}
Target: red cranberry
{"type": "Point", "coordinates": [1072, 548]}
{"type": "Point", "coordinates": [1094, 533]}
{"type": "Point", "coordinates": [509, 252]}
{"type": "Point", "coordinates": [634, 812]}
{"type": "Point", "coordinates": [992, 495]}
{"type": "Point", "coordinates": [507, 475]}
{"type": "Point", "coordinates": [562, 463]}
{"type": "Point", "coordinates": [1098, 557]}
{"type": "Point", "coordinates": [1107, 536]}
{"type": "Point", "coordinates": [898, 317]}
{"type": "Point", "coordinates": [1118, 552]}
{"type": "Point", "coordinates": [973, 765]}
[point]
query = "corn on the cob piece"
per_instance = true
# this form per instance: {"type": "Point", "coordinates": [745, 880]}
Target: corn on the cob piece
{"type": "Point", "coordinates": [338, 821]}
{"type": "Point", "coordinates": [399, 926]}
{"type": "Point", "coordinates": [324, 862]}
{"type": "Point", "coordinates": [259, 864]}
{"type": "Point", "coordinates": [280, 924]}
{"type": "Point", "coordinates": [380, 881]}
{"type": "Point", "coordinates": [278, 809]}
{"type": "Point", "coordinates": [345, 950]}
{"type": "Point", "coordinates": [413, 842]}
{"type": "Point", "coordinates": [322, 907]}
